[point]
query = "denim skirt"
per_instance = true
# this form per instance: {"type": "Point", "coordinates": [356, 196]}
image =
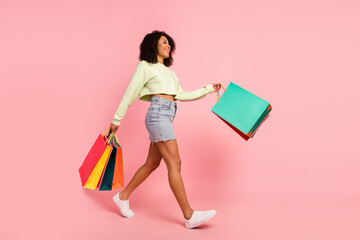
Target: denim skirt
{"type": "Point", "coordinates": [159, 119]}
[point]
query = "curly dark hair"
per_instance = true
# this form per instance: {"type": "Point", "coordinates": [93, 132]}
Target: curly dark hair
{"type": "Point", "coordinates": [149, 47]}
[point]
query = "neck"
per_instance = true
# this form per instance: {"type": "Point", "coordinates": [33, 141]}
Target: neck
{"type": "Point", "coordinates": [160, 59]}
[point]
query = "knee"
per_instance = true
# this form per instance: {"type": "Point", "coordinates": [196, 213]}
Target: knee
{"type": "Point", "coordinates": [152, 165]}
{"type": "Point", "coordinates": [175, 165]}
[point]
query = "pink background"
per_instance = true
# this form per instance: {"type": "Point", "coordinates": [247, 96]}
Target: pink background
{"type": "Point", "coordinates": [64, 66]}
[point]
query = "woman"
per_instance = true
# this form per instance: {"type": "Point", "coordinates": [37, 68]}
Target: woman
{"type": "Point", "coordinates": [155, 82]}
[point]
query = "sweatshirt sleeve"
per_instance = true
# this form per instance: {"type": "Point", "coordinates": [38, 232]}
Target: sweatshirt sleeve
{"type": "Point", "coordinates": [133, 90]}
{"type": "Point", "coordinates": [192, 95]}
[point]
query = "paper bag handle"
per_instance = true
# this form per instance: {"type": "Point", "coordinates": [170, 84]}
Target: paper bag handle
{"type": "Point", "coordinates": [112, 139]}
{"type": "Point", "coordinates": [218, 94]}
{"type": "Point", "coordinates": [109, 137]}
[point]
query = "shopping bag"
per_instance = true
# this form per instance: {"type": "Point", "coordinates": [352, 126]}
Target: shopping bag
{"type": "Point", "coordinates": [241, 110]}
{"type": "Point", "coordinates": [107, 178]}
{"type": "Point", "coordinates": [118, 179]}
{"type": "Point", "coordinates": [94, 161]}
{"type": "Point", "coordinates": [96, 174]}
{"type": "Point", "coordinates": [113, 176]}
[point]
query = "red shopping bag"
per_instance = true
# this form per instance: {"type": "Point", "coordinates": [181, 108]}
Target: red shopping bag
{"type": "Point", "coordinates": [99, 148]}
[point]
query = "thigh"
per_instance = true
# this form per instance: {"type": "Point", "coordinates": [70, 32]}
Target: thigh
{"type": "Point", "coordinates": [154, 156]}
{"type": "Point", "coordinates": [169, 152]}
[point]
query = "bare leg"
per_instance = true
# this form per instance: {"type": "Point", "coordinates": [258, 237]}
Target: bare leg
{"type": "Point", "coordinates": [169, 152]}
{"type": "Point", "coordinates": [152, 162]}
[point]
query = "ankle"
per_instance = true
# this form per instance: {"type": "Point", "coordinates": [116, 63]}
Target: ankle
{"type": "Point", "coordinates": [188, 214]}
{"type": "Point", "coordinates": [123, 196]}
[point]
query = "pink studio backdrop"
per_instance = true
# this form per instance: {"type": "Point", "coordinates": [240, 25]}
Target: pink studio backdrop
{"type": "Point", "coordinates": [63, 69]}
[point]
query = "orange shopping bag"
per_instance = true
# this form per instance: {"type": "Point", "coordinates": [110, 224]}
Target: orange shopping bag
{"type": "Point", "coordinates": [118, 180]}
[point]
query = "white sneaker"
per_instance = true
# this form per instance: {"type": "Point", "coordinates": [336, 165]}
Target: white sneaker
{"type": "Point", "coordinates": [124, 207]}
{"type": "Point", "coordinates": [198, 218]}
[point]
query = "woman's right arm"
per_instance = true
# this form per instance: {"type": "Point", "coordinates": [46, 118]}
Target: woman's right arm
{"type": "Point", "coordinates": [133, 90]}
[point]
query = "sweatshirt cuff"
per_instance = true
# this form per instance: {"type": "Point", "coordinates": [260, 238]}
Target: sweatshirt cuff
{"type": "Point", "coordinates": [210, 87]}
{"type": "Point", "coordinates": [116, 122]}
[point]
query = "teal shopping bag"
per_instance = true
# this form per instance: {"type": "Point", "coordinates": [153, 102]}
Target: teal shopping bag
{"type": "Point", "coordinates": [107, 180]}
{"type": "Point", "coordinates": [241, 110]}
{"type": "Point", "coordinates": [108, 174]}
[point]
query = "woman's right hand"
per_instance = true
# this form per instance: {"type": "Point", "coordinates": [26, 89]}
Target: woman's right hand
{"type": "Point", "coordinates": [113, 128]}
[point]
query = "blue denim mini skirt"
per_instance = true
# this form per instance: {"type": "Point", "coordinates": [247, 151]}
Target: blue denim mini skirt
{"type": "Point", "coordinates": [159, 119]}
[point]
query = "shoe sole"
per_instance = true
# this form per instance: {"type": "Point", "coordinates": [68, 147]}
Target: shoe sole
{"type": "Point", "coordinates": [204, 221]}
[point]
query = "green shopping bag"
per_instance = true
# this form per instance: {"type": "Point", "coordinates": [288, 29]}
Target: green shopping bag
{"type": "Point", "coordinates": [241, 110]}
{"type": "Point", "coordinates": [109, 175]}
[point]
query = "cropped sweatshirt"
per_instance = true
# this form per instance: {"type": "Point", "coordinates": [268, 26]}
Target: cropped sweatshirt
{"type": "Point", "coordinates": [155, 78]}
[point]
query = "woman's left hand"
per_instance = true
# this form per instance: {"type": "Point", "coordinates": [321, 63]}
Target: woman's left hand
{"type": "Point", "coordinates": [216, 86]}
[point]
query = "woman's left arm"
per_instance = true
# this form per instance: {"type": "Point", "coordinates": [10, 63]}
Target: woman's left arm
{"type": "Point", "coordinates": [196, 94]}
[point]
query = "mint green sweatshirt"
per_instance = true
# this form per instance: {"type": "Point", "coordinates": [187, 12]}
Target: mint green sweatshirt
{"type": "Point", "coordinates": [155, 78]}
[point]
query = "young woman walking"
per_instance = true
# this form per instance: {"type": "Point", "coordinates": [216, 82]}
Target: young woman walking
{"type": "Point", "coordinates": [155, 82]}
